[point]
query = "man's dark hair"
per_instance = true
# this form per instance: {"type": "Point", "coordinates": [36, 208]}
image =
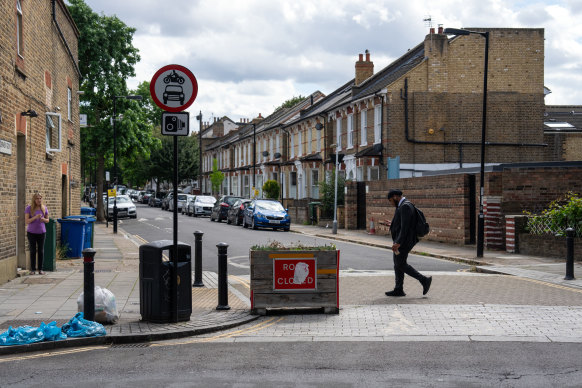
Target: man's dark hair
{"type": "Point", "coordinates": [393, 193]}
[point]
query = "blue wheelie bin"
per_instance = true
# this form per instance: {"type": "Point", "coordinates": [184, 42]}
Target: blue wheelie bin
{"type": "Point", "coordinates": [73, 235]}
{"type": "Point", "coordinates": [88, 240]}
{"type": "Point", "coordinates": [88, 211]}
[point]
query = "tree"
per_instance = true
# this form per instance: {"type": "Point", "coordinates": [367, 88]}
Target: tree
{"type": "Point", "coordinates": [107, 60]}
{"type": "Point", "coordinates": [290, 102]}
{"type": "Point", "coordinates": [216, 177]}
{"type": "Point", "coordinates": [271, 189]}
{"type": "Point", "coordinates": [327, 194]}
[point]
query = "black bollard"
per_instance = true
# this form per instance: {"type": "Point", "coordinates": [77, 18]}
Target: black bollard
{"type": "Point", "coordinates": [222, 277]}
{"type": "Point", "coordinates": [198, 259]}
{"type": "Point", "coordinates": [89, 284]}
{"type": "Point", "coordinates": [570, 254]}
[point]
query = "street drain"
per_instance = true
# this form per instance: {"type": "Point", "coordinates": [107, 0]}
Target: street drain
{"type": "Point", "coordinates": [129, 346]}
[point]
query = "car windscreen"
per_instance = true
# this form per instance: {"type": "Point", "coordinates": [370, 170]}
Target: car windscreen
{"type": "Point", "coordinates": [182, 197]}
{"type": "Point", "coordinates": [122, 200]}
{"type": "Point", "coordinates": [268, 205]}
{"type": "Point", "coordinates": [206, 199]}
{"type": "Point", "coordinates": [231, 200]}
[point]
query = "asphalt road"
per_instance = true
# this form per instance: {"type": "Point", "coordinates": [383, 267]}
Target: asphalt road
{"type": "Point", "coordinates": [300, 364]}
{"type": "Point", "coordinates": [154, 224]}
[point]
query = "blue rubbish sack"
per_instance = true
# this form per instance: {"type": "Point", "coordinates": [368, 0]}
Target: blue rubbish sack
{"type": "Point", "coordinates": [80, 327]}
{"type": "Point", "coordinates": [22, 335]}
{"type": "Point", "coordinates": [52, 332]}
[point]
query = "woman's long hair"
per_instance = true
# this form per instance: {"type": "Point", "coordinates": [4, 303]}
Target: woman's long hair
{"type": "Point", "coordinates": [33, 207]}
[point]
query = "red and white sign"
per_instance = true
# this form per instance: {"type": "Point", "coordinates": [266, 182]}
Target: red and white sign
{"type": "Point", "coordinates": [174, 88]}
{"type": "Point", "coordinates": [295, 274]}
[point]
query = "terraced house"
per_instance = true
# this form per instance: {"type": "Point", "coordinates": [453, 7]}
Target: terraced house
{"type": "Point", "coordinates": [39, 119]}
{"type": "Point", "coordinates": [419, 115]}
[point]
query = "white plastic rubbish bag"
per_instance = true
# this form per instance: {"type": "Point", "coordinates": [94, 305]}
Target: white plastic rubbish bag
{"type": "Point", "coordinates": [105, 306]}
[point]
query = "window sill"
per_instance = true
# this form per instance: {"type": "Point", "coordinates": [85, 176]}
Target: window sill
{"type": "Point", "coordinates": [49, 156]}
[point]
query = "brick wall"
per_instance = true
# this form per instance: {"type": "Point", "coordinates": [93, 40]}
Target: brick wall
{"type": "Point", "coordinates": [38, 80]}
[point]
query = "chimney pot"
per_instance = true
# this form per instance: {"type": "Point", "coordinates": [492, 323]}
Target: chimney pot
{"type": "Point", "coordinates": [367, 56]}
{"type": "Point", "coordinates": [432, 30]}
{"type": "Point", "coordinates": [440, 29]}
{"type": "Point", "coordinates": [361, 57]}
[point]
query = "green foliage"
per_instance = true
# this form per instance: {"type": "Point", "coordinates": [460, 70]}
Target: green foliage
{"type": "Point", "coordinates": [327, 194]}
{"type": "Point", "coordinates": [562, 213]}
{"type": "Point", "coordinates": [290, 102]}
{"type": "Point", "coordinates": [271, 189]}
{"type": "Point", "coordinates": [298, 246]}
{"type": "Point", "coordinates": [216, 177]}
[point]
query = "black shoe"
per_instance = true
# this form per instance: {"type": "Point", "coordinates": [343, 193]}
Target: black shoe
{"type": "Point", "coordinates": [395, 292]}
{"type": "Point", "coordinates": [426, 285]}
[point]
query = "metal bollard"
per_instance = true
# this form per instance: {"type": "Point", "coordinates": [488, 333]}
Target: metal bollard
{"type": "Point", "coordinates": [570, 254]}
{"type": "Point", "coordinates": [222, 277]}
{"type": "Point", "coordinates": [198, 259]}
{"type": "Point", "coordinates": [89, 284]}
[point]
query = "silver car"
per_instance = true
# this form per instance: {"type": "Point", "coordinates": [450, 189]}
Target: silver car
{"type": "Point", "coordinates": [125, 207]}
{"type": "Point", "coordinates": [181, 201]}
{"type": "Point", "coordinates": [201, 206]}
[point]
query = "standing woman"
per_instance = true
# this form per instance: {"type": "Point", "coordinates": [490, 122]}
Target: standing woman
{"type": "Point", "coordinates": [36, 216]}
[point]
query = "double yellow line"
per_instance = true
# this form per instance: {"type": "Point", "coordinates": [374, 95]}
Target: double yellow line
{"type": "Point", "coordinates": [51, 354]}
{"type": "Point", "coordinates": [252, 329]}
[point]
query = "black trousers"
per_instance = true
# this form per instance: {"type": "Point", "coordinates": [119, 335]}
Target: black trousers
{"type": "Point", "coordinates": [401, 267]}
{"type": "Point", "coordinates": [36, 245]}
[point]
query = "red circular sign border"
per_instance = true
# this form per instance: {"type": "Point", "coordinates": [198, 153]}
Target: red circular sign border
{"type": "Point", "coordinates": [183, 70]}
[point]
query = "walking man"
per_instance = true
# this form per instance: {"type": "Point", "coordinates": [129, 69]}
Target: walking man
{"type": "Point", "coordinates": [402, 228]}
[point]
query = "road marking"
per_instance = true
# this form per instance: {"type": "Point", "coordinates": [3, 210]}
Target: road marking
{"type": "Point", "coordinates": [234, 264]}
{"type": "Point", "coordinates": [51, 354]}
{"type": "Point", "coordinates": [252, 329]}
{"type": "Point", "coordinates": [559, 286]}
{"type": "Point", "coordinates": [241, 280]}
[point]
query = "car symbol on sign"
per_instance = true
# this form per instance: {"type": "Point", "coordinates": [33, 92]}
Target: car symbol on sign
{"type": "Point", "coordinates": [174, 93]}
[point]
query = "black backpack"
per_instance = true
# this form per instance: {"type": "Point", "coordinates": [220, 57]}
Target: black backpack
{"type": "Point", "coordinates": [421, 226]}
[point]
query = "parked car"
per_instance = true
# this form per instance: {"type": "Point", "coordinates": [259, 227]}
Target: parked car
{"type": "Point", "coordinates": [181, 200]}
{"type": "Point", "coordinates": [156, 199]}
{"type": "Point", "coordinates": [201, 206]}
{"type": "Point", "coordinates": [146, 197]}
{"type": "Point", "coordinates": [221, 207]}
{"type": "Point", "coordinates": [133, 194]}
{"type": "Point", "coordinates": [235, 212]}
{"type": "Point", "coordinates": [165, 201]}
{"type": "Point", "coordinates": [184, 208]}
{"type": "Point", "coordinates": [125, 207]}
{"type": "Point", "coordinates": [140, 196]}
{"type": "Point", "coordinates": [266, 213]}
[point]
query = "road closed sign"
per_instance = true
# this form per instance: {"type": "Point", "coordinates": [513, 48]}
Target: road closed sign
{"type": "Point", "coordinates": [173, 88]}
{"type": "Point", "coordinates": [292, 274]}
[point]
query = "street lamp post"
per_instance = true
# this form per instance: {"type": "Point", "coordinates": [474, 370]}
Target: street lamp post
{"type": "Point", "coordinates": [115, 157]}
{"type": "Point", "coordinates": [334, 225]}
{"type": "Point", "coordinates": [481, 221]}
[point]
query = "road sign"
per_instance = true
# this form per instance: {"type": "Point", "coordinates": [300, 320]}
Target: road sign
{"type": "Point", "coordinates": [294, 274]}
{"type": "Point", "coordinates": [111, 193]}
{"type": "Point", "coordinates": [174, 88]}
{"type": "Point", "coordinates": [175, 124]}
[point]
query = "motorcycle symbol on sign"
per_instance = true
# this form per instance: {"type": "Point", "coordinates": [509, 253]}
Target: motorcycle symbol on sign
{"type": "Point", "coordinates": [174, 77]}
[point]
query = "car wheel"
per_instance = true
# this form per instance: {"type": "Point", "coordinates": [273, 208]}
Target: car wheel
{"type": "Point", "coordinates": [228, 221]}
{"type": "Point", "coordinates": [237, 221]}
{"type": "Point", "coordinates": [244, 223]}
{"type": "Point", "coordinates": [287, 229]}
{"type": "Point", "coordinates": [253, 225]}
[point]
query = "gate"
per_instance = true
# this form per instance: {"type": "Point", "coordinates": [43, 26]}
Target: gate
{"type": "Point", "coordinates": [361, 205]}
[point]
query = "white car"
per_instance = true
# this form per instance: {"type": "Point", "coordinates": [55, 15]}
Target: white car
{"type": "Point", "coordinates": [125, 207]}
{"type": "Point", "coordinates": [181, 201]}
{"type": "Point", "coordinates": [184, 207]}
{"type": "Point", "coordinates": [201, 206]}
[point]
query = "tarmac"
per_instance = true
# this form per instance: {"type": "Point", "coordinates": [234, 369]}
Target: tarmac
{"type": "Point", "coordinates": [521, 299]}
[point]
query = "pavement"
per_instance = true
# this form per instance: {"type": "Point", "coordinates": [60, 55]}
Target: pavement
{"type": "Point", "coordinates": [519, 299]}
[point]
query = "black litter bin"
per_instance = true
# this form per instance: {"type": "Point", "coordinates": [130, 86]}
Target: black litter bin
{"type": "Point", "coordinates": [156, 282]}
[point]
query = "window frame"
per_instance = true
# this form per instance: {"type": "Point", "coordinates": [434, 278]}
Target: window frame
{"type": "Point", "coordinates": [59, 135]}
{"type": "Point", "coordinates": [69, 104]}
{"type": "Point", "coordinates": [338, 133]}
{"type": "Point", "coordinates": [377, 123]}
{"type": "Point", "coordinates": [364, 129]}
{"type": "Point", "coordinates": [350, 131]}
{"type": "Point", "coordinates": [19, 32]}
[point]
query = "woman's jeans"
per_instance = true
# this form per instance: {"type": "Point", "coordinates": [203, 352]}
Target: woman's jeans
{"type": "Point", "coordinates": [36, 245]}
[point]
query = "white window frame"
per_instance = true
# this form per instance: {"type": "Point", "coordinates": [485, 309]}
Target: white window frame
{"type": "Point", "coordinates": [300, 143]}
{"type": "Point", "coordinates": [373, 173]}
{"type": "Point", "coordinates": [377, 123]}
{"type": "Point", "coordinates": [350, 130]}
{"type": "Point", "coordinates": [315, 183]}
{"type": "Point", "coordinates": [319, 134]}
{"type": "Point", "coordinates": [292, 145]}
{"type": "Point", "coordinates": [19, 33]}
{"type": "Point", "coordinates": [338, 133]}
{"type": "Point", "coordinates": [364, 129]}
{"type": "Point", "coordinates": [310, 141]}
{"type": "Point", "coordinates": [49, 120]}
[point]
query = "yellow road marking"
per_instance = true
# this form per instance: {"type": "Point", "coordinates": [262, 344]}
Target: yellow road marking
{"type": "Point", "coordinates": [559, 286]}
{"type": "Point", "coordinates": [52, 354]}
{"type": "Point", "coordinates": [257, 327]}
{"type": "Point", "coordinates": [241, 280]}
{"type": "Point", "coordinates": [141, 239]}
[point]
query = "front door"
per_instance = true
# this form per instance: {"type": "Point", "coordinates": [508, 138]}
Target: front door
{"type": "Point", "coordinates": [361, 205]}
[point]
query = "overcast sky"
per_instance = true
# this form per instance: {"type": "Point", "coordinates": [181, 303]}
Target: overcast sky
{"type": "Point", "coordinates": [251, 55]}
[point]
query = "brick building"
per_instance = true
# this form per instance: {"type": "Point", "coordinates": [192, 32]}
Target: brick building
{"type": "Point", "coordinates": [39, 119]}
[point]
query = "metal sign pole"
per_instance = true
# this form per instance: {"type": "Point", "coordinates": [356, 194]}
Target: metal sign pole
{"type": "Point", "coordinates": [175, 199]}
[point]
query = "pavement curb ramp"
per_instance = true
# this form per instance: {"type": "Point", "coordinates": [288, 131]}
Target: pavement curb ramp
{"type": "Point", "coordinates": [126, 339]}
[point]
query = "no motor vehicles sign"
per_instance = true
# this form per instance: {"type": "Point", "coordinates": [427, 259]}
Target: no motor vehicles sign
{"type": "Point", "coordinates": [173, 88]}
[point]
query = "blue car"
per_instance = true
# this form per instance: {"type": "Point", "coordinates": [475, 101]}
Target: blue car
{"type": "Point", "coordinates": [266, 213]}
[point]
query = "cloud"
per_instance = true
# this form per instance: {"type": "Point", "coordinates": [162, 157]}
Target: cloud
{"type": "Point", "coordinates": [280, 49]}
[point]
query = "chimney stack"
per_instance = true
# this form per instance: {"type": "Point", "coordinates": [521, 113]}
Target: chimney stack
{"type": "Point", "coordinates": [431, 31]}
{"type": "Point", "coordinates": [364, 69]}
{"type": "Point", "coordinates": [440, 29]}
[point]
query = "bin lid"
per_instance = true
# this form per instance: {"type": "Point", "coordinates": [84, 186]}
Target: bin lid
{"type": "Point", "coordinates": [72, 220]}
{"type": "Point", "coordinates": [89, 218]}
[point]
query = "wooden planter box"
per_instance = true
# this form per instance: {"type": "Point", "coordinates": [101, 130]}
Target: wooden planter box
{"type": "Point", "coordinates": [289, 278]}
